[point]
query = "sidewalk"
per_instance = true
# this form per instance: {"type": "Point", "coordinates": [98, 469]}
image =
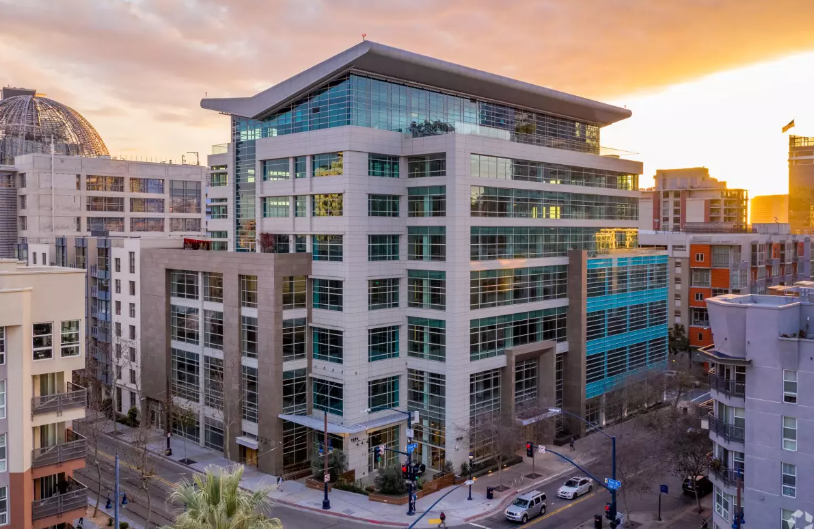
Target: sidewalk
{"type": "Point", "coordinates": [685, 517]}
{"type": "Point", "coordinates": [356, 506]}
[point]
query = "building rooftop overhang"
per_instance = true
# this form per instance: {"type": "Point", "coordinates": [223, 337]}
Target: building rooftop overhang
{"type": "Point", "coordinates": [721, 358]}
{"type": "Point", "coordinates": [317, 423]}
{"type": "Point", "coordinates": [385, 61]}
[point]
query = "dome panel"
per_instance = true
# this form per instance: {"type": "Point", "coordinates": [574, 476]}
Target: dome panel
{"type": "Point", "coordinates": [28, 123]}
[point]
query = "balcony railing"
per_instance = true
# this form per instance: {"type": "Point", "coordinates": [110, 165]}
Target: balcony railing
{"type": "Point", "coordinates": [75, 397]}
{"type": "Point", "coordinates": [729, 432]}
{"type": "Point", "coordinates": [727, 386]}
{"type": "Point", "coordinates": [72, 448]}
{"type": "Point", "coordinates": [727, 475]}
{"type": "Point", "coordinates": [74, 496]}
{"type": "Point", "coordinates": [100, 333]}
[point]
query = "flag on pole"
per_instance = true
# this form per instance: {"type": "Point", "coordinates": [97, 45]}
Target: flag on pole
{"type": "Point", "coordinates": [787, 127]}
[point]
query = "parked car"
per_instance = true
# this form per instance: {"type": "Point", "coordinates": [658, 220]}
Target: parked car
{"type": "Point", "coordinates": [575, 487]}
{"type": "Point", "coordinates": [702, 484]}
{"type": "Point", "coordinates": [526, 506]}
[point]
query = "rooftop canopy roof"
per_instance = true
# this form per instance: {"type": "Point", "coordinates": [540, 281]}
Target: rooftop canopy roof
{"type": "Point", "coordinates": [385, 61]}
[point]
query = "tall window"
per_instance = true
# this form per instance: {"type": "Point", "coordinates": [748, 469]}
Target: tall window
{"type": "Point", "coordinates": [426, 243]}
{"type": "Point", "coordinates": [277, 169]}
{"type": "Point", "coordinates": [327, 294]}
{"type": "Point", "coordinates": [426, 289]}
{"type": "Point", "coordinates": [426, 338]}
{"type": "Point", "coordinates": [132, 259]}
{"type": "Point", "coordinates": [327, 164]}
{"type": "Point", "coordinates": [2, 345]}
{"type": "Point", "coordinates": [185, 367]}
{"type": "Point", "coordinates": [382, 247]}
{"type": "Point", "coordinates": [2, 399]}
{"type": "Point", "coordinates": [383, 343]}
{"type": "Point", "coordinates": [790, 434]}
{"type": "Point", "coordinates": [213, 382]}
{"type": "Point", "coordinates": [184, 324]}
{"type": "Point", "coordinates": [327, 396]}
{"type": "Point", "coordinates": [427, 201]}
{"type": "Point", "coordinates": [3, 456]}
{"type": "Point", "coordinates": [213, 287]}
{"type": "Point", "coordinates": [790, 386]}
{"type": "Point", "coordinates": [328, 345]}
{"type": "Point", "coordinates": [148, 185]}
{"type": "Point", "coordinates": [525, 384]}
{"type": "Point", "coordinates": [300, 206]}
{"type": "Point", "coordinates": [789, 480]}
{"type": "Point", "coordinates": [276, 206]}
{"type": "Point", "coordinates": [329, 205]}
{"type": "Point", "coordinates": [723, 503]}
{"type": "Point", "coordinates": [383, 394]}
{"type": "Point", "coordinates": [484, 409]}
{"type": "Point", "coordinates": [248, 291]}
{"type": "Point", "coordinates": [69, 341]}
{"type": "Point", "coordinates": [382, 293]}
{"type": "Point", "coordinates": [490, 336]}
{"type": "Point", "coordinates": [213, 329]}
{"type": "Point", "coordinates": [217, 208]}
{"type": "Point", "coordinates": [383, 205]}
{"type": "Point", "coordinates": [43, 341]}
{"type": "Point", "coordinates": [251, 403]}
{"type": "Point", "coordinates": [184, 284]}
{"type": "Point", "coordinates": [327, 247]}
{"type": "Point", "coordinates": [427, 165]}
{"type": "Point", "coordinates": [295, 392]}
{"type": "Point", "coordinates": [218, 176]}
{"type": "Point", "coordinates": [294, 292]}
{"type": "Point", "coordinates": [3, 505]}
{"type": "Point", "coordinates": [383, 165]}
{"type": "Point", "coordinates": [248, 336]}
{"type": "Point", "coordinates": [300, 167]}
{"type": "Point", "coordinates": [185, 197]}
{"type": "Point", "coordinates": [294, 339]}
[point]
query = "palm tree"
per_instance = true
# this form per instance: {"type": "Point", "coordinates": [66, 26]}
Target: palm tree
{"type": "Point", "coordinates": [216, 501]}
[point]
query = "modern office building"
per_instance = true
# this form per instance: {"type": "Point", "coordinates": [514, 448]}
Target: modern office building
{"type": "Point", "coordinates": [762, 426]}
{"type": "Point", "coordinates": [438, 203]}
{"type": "Point", "coordinates": [41, 347]}
{"type": "Point", "coordinates": [703, 265]}
{"type": "Point", "coordinates": [224, 334]}
{"type": "Point", "coordinates": [686, 198]}
{"type": "Point", "coordinates": [801, 184]}
{"type": "Point", "coordinates": [766, 209]}
{"type": "Point", "coordinates": [617, 328]}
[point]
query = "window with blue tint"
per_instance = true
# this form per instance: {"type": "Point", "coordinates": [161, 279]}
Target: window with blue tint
{"type": "Point", "coordinates": [494, 288]}
{"type": "Point", "coordinates": [327, 247]}
{"type": "Point", "coordinates": [383, 205]}
{"type": "Point", "coordinates": [327, 396]}
{"type": "Point", "coordinates": [383, 394]}
{"type": "Point", "coordinates": [383, 343]}
{"type": "Point", "coordinates": [427, 201]}
{"type": "Point", "coordinates": [327, 164]}
{"type": "Point", "coordinates": [277, 169]}
{"type": "Point", "coordinates": [383, 293]}
{"type": "Point", "coordinates": [491, 243]}
{"type": "Point", "coordinates": [300, 167]}
{"type": "Point", "coordinates": [382, 247]}
{"type": "Point", "coordinates": [300, 206]}
{"type": "Point", "coordinates": [327, 294]}
{"type": "Point", "coordinates": [383, 165]}
{"type": "Point", "coordinates": [533, 204]}
{"type": "Point", "coordinates": [427, 165]}
{"type": "Point", "coordinates": [427, 338]}
{"type": "Point", "coordinates": [426, 243]}
{"type": "Point", "coordinates": [427, 289]}
{"type": "Point", "coordinates": [329, 205]}
{"type": "Point", "coordinates": [275, 206]}
{"type": "Point", "coordinates": [300, 244]}
{"type": "Point", "coordinates": [327, 345]}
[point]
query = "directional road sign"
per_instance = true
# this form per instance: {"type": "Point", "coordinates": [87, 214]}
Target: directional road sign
{"type": "Point", "coordinates": [411, 447]}
{"type": "Point", "coordinates": [409, 433]}
{"type": "Point", "coordinates": [613, 484]}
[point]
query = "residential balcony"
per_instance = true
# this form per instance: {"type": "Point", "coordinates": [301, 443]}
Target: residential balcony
{"type": "Point", "coordinates": [72, 448]}
{"type": "Point", "coordinates": [99, 273]}
{"type": "Point", "coordinates": [74, 497]}
{"type": "Point", "coordinates": [727, 386]}
{"type": "Point", "coordinates": [728, 432]}
{"type": "Point", "coordinates": [74, 398]}
{"type": "Point", "coordinates": [727, 476]}
{"type": "Point", "coordinates": [100, 333]}
{"type": "Point", "coordinates": [99, 294]}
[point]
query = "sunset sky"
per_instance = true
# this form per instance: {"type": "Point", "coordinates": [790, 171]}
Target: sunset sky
{"type": "Point", "coordinates": [710, 82]}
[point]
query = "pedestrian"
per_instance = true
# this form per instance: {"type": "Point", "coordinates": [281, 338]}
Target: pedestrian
{"type": "Point", "coordinates": [443, 520]}
{"type": "Point", "coordinates": [280, 483]}
{"type": "Point", "coordinates": [571, 444]}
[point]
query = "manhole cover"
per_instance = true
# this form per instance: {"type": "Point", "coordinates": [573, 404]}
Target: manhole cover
{"type": "Point", "coordinates": [348, 512]}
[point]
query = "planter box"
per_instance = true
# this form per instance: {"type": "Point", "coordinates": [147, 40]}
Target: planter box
{"type": "Point", "coordinates": [349, 476]}
{"type": "Point", "coordinates": [316, 484]}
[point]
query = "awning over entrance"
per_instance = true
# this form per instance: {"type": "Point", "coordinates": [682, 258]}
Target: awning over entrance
{"type": "Point", "coordinates": [524, 420]}
{"type": "Point", "coordinates": [248, 442]}
{"type": "Point", "coordinates": [316, 423]}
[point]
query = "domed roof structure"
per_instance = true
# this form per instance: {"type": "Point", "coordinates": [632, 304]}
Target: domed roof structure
{"type": "Point", "coordinates": [28, 123]}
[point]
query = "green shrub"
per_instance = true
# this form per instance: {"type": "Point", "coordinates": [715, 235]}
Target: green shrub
{"type": "Point", "coordinates": [464, 469]}
{"type": "Point", "coordinates": [337, 464]}
{"type": "Point", "coordinates": [390, 481]}
{"type": "Point", "coordinates": [351, 486]}
{"type": "Point", "coordinates": [124, 525]}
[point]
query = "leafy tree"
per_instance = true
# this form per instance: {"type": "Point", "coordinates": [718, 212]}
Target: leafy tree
{"type": "Point", "coordinates": [216, 501]}
{"type": "Point", "coordinates": [390, 481]}
{"type": "Point", "coordinates": [337, 464]}
{"type": "Point", "coordinates": [677, 339]}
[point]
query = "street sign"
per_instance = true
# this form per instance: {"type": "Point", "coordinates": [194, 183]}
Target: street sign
{"type": "Point", "coordinates": [541, 449]}
{"type": "Point", "coordinates": [409, 433]}
{"type": "Point", "coordinates": [613, 484]}
{"type": "Point", "coordinates": [411, 447]}
{"type": "Point", "coordinates": [327, 478]}
{"type": "Point", "coordinates": [663, 489]}
{"type": "Point", "coordinates": [469, 482]}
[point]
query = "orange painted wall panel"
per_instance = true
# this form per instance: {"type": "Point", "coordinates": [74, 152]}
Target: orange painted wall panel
{"type": "Point", "coordinates": [705, 292]}
{"type": "Point", "coordinates": [705, 251]}
{"type": "Point", "coordinates": [720, 278]}
{"type": "Point", "coordinates": [700, 336]}
{"type": "Point", "coordinates": [776, 251]}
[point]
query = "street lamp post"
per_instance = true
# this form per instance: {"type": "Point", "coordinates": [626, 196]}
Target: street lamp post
{"type": "Point", "coordinates": [471, 458]}
{"type": "Point", "coordinates": [613, 454]}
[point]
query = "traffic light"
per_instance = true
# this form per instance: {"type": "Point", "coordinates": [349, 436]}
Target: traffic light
{"type": "Point", "coordinates": [404, 473]}
{"type": "Point", "coordinates": [529, 449]}
{"type": "Point", "coordinates": [377, 454]}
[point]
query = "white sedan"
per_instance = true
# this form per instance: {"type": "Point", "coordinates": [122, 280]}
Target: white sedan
{"type": "Point", "coordinates": [575, 487]}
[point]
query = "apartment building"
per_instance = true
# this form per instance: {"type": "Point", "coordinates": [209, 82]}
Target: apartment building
{"type": "Point", "coordinates": [686, 198]}
{"type": "Point", "coordinates": [224, 338]}
{"type": "Point", "coordinates": [703, 265]}
{"type": "Point", "coordinates": [766, 209]}
{"type": "Point", "coordinates": [41, 346]}
{"type": "Point", "coordinates": [762, 426]}
{"type": "Point", "coordinates": [438, 204]}
{"type": "Point", "coordinates": [801, 184]}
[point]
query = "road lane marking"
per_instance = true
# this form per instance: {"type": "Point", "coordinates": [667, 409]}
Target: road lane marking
{"type": "Point", "coordinates": [478, 525]}
{"type": "Point", "coordinates": [553, 513]}
{"type": "Point", "coordinates": [704, 396]}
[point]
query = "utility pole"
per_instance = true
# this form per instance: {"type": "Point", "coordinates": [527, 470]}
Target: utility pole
{"type": "Point", "coordinates": [326, 503]}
